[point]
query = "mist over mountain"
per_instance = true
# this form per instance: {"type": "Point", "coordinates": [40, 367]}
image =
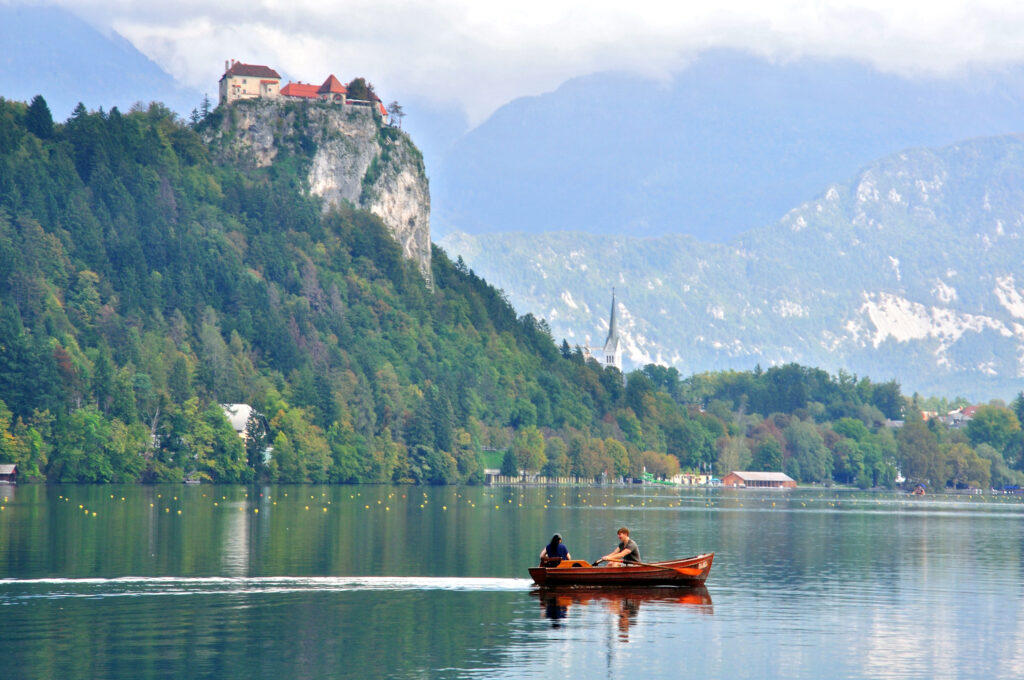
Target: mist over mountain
{"type": "Point", "coordinates": [910, 269]}
{"type": "Point", "coordinates": [50, 51]}
{"type": "Point", "coordinates": [729, 144]}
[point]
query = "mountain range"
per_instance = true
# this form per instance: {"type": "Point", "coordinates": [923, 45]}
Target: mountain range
{"type": "Point", "coordinates": [738, 207]}
{"type": "Point", "coordinates": [728, 144]}
{"type": "Point", "coordinates": [910, 269]}
{"type": "Point", "coordinates": [52, 52]}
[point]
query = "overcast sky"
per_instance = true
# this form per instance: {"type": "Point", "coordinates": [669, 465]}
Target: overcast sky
{"type": "Point", "coordinates": [483, 53]}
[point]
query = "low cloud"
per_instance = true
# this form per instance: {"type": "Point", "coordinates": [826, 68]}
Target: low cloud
{"type": "Point", "coordinates": [482, 55]}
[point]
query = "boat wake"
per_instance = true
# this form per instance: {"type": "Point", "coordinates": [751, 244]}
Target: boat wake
{"type": "Point", "coordinates": [14, 590]}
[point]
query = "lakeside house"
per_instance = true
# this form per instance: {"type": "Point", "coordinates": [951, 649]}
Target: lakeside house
{"type": "Point", "coordinates": [240, 415]}
{"type": "Point", "coordinates": [958, 418]}
{"type": "Point", "coordinates": [760, 480]}
{"type": "Point", "coordinates": [8, 473]}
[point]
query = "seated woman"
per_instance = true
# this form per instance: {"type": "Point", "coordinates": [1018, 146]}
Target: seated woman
{"type": "Point", "coordinates": [554, 552]}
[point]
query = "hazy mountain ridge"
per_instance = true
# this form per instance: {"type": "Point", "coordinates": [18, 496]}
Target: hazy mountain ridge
{"type": "Point", "coordinates": [911, 270]}
{"type": "Point", "coordinates": [728, 144]}
{"type": "Point", "coordinates": [50, 51]}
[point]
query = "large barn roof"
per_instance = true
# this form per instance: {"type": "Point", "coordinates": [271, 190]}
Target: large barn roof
{"type": "Point", "coordinates": [763, 476]}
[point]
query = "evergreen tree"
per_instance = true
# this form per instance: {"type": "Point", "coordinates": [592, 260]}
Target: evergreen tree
{"type": "Point", "coordinates": [38, 118]}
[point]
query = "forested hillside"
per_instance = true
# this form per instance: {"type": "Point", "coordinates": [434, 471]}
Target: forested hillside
{"type": "Point", "coordinates": [142, 285]}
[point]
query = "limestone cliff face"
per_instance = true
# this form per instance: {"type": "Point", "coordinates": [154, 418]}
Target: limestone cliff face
{"type": "Point", "coordinates": [351, 157]}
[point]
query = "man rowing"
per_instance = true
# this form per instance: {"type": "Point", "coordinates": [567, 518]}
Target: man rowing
{"type": "Point", "coordinates": [627, 553]}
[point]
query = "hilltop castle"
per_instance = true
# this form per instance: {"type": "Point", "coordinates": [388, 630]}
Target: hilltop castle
{"type": "Point", "coordinates": [256, 81]}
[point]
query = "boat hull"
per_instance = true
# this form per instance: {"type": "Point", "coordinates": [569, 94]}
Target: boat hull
{"type": "Point", "coordinates": [689, 572]}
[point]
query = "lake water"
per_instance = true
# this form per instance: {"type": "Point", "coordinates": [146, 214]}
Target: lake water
{"type": "Point", "coordinates": [406, 582]}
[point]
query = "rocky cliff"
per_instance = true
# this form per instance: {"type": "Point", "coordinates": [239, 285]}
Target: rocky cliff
{"type": "Point", "coordinates": [345, 153]}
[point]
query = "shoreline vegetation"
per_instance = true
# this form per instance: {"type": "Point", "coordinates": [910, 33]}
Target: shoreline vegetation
{"type": "Point", "coordinates": [144, 284]}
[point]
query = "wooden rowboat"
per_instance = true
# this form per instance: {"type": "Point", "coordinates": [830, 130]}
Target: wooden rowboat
{"type": "Point", "coordinates": [689, 572]}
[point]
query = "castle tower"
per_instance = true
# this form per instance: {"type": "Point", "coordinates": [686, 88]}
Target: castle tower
{"type": "Point", "coordinates": [612, 350]}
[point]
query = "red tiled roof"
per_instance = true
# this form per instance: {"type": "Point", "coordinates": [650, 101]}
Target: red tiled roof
{"type": "Point", "coordinates": [332, 86]}
{"type": "Point", "coordinates": [251, 71]}
{"type": "Point", "coordinates": [304, 90]}
{"type": "Point", "coordinates": [969, 411]}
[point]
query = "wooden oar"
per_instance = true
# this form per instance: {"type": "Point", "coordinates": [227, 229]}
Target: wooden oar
{"type": "Point", "coordinates": [683, 571]}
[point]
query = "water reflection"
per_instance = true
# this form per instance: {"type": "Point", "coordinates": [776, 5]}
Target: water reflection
{"type": "Point", "coordinates": [622, 603]}
{"type": "Point", "coordinates": [130, 583]}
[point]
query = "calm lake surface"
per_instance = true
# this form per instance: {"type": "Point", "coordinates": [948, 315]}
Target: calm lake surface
{"type": "Point", "coordinates": [411, 582]}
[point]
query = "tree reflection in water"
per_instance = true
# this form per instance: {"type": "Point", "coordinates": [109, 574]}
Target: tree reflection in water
{"type": "Point", "coordinates": [624, 603]}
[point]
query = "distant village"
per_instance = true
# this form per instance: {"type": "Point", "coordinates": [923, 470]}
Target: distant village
{"type": "Point", "coordinates": [256, 81]}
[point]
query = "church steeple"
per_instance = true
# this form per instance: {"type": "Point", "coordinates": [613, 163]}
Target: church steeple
{"type": "Point", "coordinates": [611, 344]}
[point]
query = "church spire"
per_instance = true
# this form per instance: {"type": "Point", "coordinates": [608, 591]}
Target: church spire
{"type": "Point", "coordinates": [613, 332]}
{"type": "Point", "coordinates": [611, 344]}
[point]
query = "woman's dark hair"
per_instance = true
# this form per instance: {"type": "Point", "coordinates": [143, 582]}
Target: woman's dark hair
{"type": "Point", "coordinates": [553, 545]}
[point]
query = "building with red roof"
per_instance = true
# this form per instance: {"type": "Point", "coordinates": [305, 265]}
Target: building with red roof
{"type": "Point", "coordinates": [248, 81]}
{"type": "Point", "coordinates": [255, 81]}
{"type": "Point", "coordinates": [300, 91]}
{"type": "Point", "coordinates": [332, 90]}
